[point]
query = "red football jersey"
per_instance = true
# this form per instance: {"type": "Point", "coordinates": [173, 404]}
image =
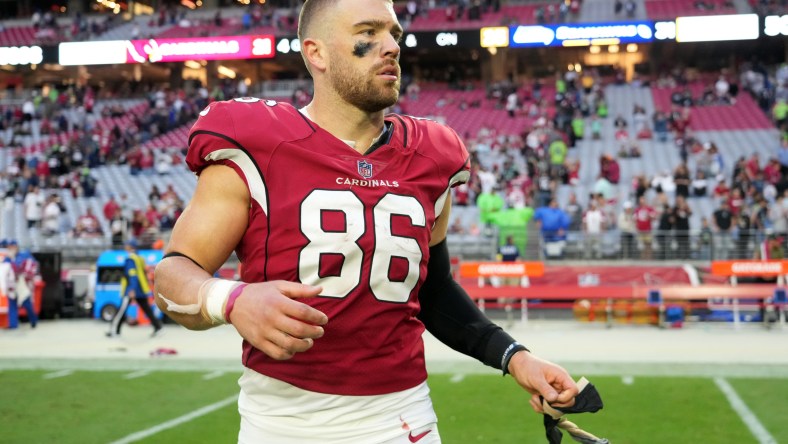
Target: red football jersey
{"type": "Point", "coordinates": [357, 225]}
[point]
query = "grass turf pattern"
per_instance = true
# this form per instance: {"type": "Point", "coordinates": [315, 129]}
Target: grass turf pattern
{"type": "Point", "coordinates": [102, 406]}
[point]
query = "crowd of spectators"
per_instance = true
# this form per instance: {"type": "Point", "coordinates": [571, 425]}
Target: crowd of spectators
{"type": "Point", "coordinates": [769, 88]}
{"type": "Point", "coordinates": [628, 8]}
{"type": "Point", "coordinates": [32, 179]}
{"type": "Point", "coordinates": [144, 224]}
{"type": "Point", "coordinates": [45, 26]}
{"type": "Point", "coordinates": [549, 11]}
{"type": "Point", "coordinates": [654, 215]}
{"type": "Point", "coordinates": [769, 7]}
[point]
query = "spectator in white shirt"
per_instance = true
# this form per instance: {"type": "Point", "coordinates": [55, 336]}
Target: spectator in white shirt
{"type": "Point", "coordinates": [511, 104]}
{"type": "Point", "coordinates": [51, 216]}
{"type": "Point", "coordinates": [626, 225]}
{"type": "Point", "coordinates": [722, 89]}
{"type": "Point", "coordinates": [663, 183]}
{"type": "Point", "coordinates": [34, 206]}
{"type": "Point", "coordinates": [487, 180]}
{"type": "Point", "coordinates": [593, 226]}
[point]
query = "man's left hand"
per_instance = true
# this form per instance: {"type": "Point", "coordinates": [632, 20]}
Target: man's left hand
{"type": "Point", "coordinates": [543, 378]}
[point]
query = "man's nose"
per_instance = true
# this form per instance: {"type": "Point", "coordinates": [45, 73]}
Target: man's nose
{"type": "Point", "coordinates": [391, 47]}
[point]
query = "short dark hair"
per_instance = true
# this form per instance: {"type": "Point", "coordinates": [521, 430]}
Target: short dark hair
{"type": "Point", "coordinates": [309, 11]}
{"type": "Point", "coordinates": [306, 17]}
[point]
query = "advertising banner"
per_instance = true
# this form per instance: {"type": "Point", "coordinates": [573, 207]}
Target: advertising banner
{"type": "Point", "coordinates": [581, 34]}
{"type": "Point", "coordinates": [241, 47]}
{"type": "Point", "coordinates": [749, 268]}
{"type": "Point", "coordinates": [204, 48]}
{"type": "Point", "coordinates": [501, 269]}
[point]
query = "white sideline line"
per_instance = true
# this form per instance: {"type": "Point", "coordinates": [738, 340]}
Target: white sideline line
{"type": "Point", "coordinates": [627, 380]}
{"type": "Point", "coordinates": [142, 434]}
{"type": "Point", "coordinates": [60, 374]}
{"type": "Point", "coordinates": [457, 378]}
{"type": "Point", "coordinates": [137, 374]}
{"type": "Point", "coordinates": [750, 420]}
{"type": "Point", "coordinates": [212, 375]}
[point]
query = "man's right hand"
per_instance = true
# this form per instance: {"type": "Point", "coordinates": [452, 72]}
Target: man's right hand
{"type": "Point", "coordinates": [266, 315]}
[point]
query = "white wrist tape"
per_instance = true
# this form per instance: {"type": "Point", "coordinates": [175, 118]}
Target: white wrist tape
{"type": "Point", "coordinates": [217, 294]}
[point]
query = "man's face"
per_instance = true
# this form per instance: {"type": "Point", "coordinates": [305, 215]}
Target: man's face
{"type": "Point", "coordinates": [363, 64]}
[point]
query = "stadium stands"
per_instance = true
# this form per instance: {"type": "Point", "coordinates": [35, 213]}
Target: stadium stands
{"type": "Point", "coordinates": [445, 18]}
{"type": "Point", "coordinates": [18, 36]}
{"type": "Point", "coordinates": [670, 9]}
{"type": "Point", "coordinates": [229, 27]}
{"type": "Point", "coordinates": [35, 142]}
{"type": "Point", "coordinates": [144, 128]}
{"type": "Point", "coordinates": [138, 28]}
{"type": "Point", "coordinates": [467, 111]}
{"type": "Point", "coordinates": [743, 114]}
{"type": "Point", "coordinates": [177, 138]}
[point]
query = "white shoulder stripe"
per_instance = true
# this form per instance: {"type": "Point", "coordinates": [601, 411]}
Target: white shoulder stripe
{"type": "Point", "coordinates": [247, 166]}
{"type": "Point", "coordinates": [460, 177]}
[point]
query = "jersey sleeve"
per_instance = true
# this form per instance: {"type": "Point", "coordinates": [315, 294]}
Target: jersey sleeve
{"type": "Point", "coordinates": [462, 158]}
{"type": "Point", "coordinates": [213, 132]}
{"type": "Point", "coordinates": [450, 153]}
{"type": "Point", "coordinates": [444, 147]}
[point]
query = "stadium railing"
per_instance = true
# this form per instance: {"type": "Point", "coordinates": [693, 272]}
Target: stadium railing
{"type": "Point", "coordinates": [674, 245]}
{"type": "Point", "coordinates": [609, 302]}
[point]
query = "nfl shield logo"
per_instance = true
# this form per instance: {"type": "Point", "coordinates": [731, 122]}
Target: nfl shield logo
{"type": "Point", "coordinates": [364, 169]}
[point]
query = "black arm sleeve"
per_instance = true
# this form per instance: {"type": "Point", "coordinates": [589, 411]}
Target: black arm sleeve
{"type": "Point", "coordinates": [453, 318]}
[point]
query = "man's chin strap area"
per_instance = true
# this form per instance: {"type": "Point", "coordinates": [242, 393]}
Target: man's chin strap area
{"type": "Point", "coordinates": [588, 400]}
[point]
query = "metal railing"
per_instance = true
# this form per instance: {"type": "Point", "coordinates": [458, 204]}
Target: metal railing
{"type": "Point", "coordinates": [615, 245]}
{"type": "Point", "coordinates": [671, 245]}
{"type": "Point", "coordinates": [611, 245]}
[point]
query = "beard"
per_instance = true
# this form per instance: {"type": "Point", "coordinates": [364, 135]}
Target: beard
{"type": "Point", "coordinates": [363, 90]}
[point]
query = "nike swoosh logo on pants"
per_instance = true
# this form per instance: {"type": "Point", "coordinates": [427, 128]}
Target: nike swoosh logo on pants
{"type": "Point", "coordinates": [418, 437]}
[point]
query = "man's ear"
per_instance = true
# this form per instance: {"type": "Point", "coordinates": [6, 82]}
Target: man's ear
{"type": "Point", "coordinates": [314, 51]}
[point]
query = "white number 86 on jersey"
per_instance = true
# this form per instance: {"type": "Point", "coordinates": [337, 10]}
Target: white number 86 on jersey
{"type": "Point", "coordinates": [387, 245]}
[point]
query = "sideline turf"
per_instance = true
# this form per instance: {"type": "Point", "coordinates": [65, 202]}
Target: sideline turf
{"type": "Point", "coordinates": [768, 400]}
{"type": "Point", "coordinates": [99, 407]}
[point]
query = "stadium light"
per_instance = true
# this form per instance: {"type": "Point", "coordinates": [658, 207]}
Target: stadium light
{"type": "Point", "coordinates": [225, 71]}
{"type": "Point", "coordinates": [494, 37]}
{"type": "Point", "coordinates": [717, 28]}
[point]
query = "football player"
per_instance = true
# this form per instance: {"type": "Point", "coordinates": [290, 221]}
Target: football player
{"type": "Point", "coordinates": [339, 215]}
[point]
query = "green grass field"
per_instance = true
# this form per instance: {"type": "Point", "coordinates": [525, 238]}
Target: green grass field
{"type": "Point", "coordinates": [105, 406]}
